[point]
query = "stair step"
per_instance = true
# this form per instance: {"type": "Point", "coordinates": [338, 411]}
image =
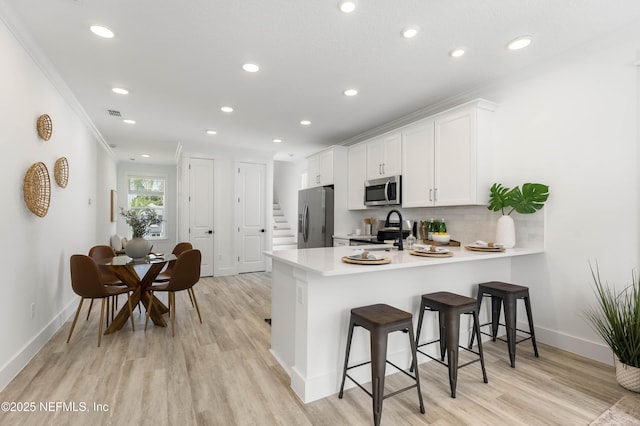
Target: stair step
{"type": "Point", "coordinates": [284, 247]}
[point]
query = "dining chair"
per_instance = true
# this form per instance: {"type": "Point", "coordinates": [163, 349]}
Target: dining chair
{"type": "Point", "coordinates": [87, 283]}
{"type": "Point", "coordinates": [165, 275]}
{"type": "Point", "coordinates": [186, 274]}
{"type": "Point", "coordinates": [108, 278]}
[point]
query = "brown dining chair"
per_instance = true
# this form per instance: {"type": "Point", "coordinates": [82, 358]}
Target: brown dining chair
{"type": "Point", "coordinates": [165, 275]}
{"type": "Point", "coordinates": [108, 278]}
{"type": "Point", "coordinates": [87, 283]}
{"type": "Point", "coordinates": [186, 274]}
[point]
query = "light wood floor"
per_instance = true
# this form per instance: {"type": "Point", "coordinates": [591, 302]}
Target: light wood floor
{"type": "Point", "coordinates": [221, 373]}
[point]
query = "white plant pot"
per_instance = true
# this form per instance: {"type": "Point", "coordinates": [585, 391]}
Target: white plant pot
{"type": "Point", "coordinates": [137, 248]}
{"type": "Point", "coordinates": [627, 376]}
{"type": "Point", "coordinates": [506, 232]}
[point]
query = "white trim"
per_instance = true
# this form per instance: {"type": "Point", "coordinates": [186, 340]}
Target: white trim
{"type": "Point", "coordinates": [20, 360]}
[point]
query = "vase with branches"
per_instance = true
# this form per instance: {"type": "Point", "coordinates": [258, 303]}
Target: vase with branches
{"type": "Point", "coordinates": [140, 220]}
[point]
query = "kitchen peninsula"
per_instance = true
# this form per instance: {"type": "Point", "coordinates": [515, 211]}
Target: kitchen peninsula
{"type": "Point", "coordinates": [313, 291]}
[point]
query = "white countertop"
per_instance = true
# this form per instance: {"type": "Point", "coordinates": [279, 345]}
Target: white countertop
{"type": "Point", "coordinates": [328, 261]}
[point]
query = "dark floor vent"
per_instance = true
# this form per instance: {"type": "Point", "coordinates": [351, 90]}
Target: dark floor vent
{"type": "Point", "coordinates": [114, 113]}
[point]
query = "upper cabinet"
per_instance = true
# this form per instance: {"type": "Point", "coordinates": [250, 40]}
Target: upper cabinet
{"type": "Point", "coordinates": [320, 167]}
{"type": "Point", "coordinates": [384, 156]}
{"type": "Point", "coordinates": [357, 166]}
{"type": "Point", "coordinates": [447, 158]}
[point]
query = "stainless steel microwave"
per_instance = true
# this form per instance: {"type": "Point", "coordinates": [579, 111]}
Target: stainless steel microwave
{"type": "Point", "coordinates": [383, 191]}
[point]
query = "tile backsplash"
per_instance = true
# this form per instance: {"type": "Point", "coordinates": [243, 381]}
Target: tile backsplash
{"type": "Point", "coordinates": [470, 223]}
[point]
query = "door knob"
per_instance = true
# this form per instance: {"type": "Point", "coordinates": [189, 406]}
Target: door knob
{"type": "Point", "coordinates": [262, 230]}
{"type": "Point", "coordinates": [210, 231]}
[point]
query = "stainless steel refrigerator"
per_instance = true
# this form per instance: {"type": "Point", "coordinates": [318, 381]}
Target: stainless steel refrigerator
{"type": "Point", "coordinates": [315, 217]}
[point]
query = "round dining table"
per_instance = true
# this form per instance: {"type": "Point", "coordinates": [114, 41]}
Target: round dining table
{"type": "Point", "coordinates": [129, 271]}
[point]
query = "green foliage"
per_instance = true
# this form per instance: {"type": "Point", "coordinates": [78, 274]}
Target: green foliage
{"type": "Point", "coordinates": [616, 318]}
{"type": "Point", "coordinates": [140, 220]}
{"type": "Point", "coordinates": [526, 201]}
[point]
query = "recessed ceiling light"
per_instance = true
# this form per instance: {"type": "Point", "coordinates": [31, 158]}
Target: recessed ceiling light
{"type": "Point", "coordinates": [145, 155]}
{"type": "Point", "coordinates": [277, 140]}
{"type": "Point", "coordinates": [120, 91]}
{"type": "Point", "coordinates": [519, 43]}
{"type": "Point", "coordinates": [410, 31]}
{"type": "Point", "coordinates": [350, 92]}
{"type": "Point", "coordinates": [226, 109]}
{"type": "Point", "coordinates": [211, 132]}
{"type": "Point", "coordinates": [305, 122]}
{"type": "Point", "coordinates": [347, 6]}
{"type": "Point", "coordinates": [101, 31]}
{"type": "Point", "coordinates": [129, 121]}
{"type": "Point", "coordinates": [456, 53]}
{"type": "Point", "coordinates": [251, 68]}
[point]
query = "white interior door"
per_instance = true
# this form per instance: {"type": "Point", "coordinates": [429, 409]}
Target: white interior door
{"type": "Point", "coordinates": [251, 187]}
{"type": "Point", "coordinates": [201, 211]}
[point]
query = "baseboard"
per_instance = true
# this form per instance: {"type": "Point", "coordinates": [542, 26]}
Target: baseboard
{"type": "Point", "coordinates": [577, 345]}
{"type": "Point", "coordinates": [11, 369]}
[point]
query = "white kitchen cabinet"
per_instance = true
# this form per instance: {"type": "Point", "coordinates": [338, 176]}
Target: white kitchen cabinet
{"type": "Point", "coordinates": [320, 168]}
{"type": "Point", "coordinates": [340, 242]}
{"type": "Point", "coordinates": [418, 164]}
{"type": "Point", "coordinates": [447, 157]}
{"type": "Point", "coordinates": [384, 156]}
{"type": "Point", "coordinates": [357, 167]}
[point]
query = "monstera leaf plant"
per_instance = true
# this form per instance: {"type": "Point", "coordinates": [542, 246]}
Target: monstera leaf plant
{"type": "Point", "coordinates": [527, 200]}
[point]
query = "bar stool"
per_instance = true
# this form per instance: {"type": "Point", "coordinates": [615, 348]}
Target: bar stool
{"type": "Point", "coordinates": [449, 307]}
{"type": "Point", "coordinates": [507, 295]}
{"type": "Point", "coordinates": [381, 320]}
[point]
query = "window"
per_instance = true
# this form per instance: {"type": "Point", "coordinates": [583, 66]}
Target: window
{"type": "Point", "coordinates": [149, 192]}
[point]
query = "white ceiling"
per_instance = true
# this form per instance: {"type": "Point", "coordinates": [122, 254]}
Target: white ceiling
{"type": "Point", "coordinates": [182, 61]}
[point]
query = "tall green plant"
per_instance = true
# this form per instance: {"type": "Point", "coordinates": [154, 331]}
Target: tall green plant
{"type": "Point", "coordinates": [616, 318]}
{"type": "Point", "coordinates": [526, 201]}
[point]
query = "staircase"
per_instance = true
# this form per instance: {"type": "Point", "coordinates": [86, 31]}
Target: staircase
{"type": "Point", "coordinates": [283, 236]}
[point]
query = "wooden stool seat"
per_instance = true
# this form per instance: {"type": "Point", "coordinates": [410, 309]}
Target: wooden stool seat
{"type": "Point", "coordinates": [506, 294]}
{"type": "Point", "coordinates": [449, 307]}
{"type": "Point", "coordinates": [380, 320]}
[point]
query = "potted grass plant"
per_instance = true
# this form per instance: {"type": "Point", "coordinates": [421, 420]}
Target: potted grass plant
{"type": "Point", "coordinates": [527, 200]}
{"type": "Point", "coordinates": [616, 318]}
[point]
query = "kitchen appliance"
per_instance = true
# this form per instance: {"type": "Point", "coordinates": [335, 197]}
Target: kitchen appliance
{"type": "Point", "coordinates": [315, 217]}
{"type": "Point", "coordinates": [382, 192]}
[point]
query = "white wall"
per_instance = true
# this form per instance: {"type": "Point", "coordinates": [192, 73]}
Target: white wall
{"type": "Point", "coordinates": [574, 126]}
{"type": "Point", "coordinates": [35, 251]}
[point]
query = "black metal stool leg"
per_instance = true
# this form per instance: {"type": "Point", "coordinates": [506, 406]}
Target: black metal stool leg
{"type": "Point", "coordinates": [346, 357]}
{"type": "Point", "coordinates": [510, 310]}
{"type": "Point", "coordinates": [420, 318]}
{"type": "Point", "coordinates": [378, 367]}
{"type": "Point", "coordinates": [527, 305]}
{"type": "Point", "coordinates": [476, 328]}
{"type": "Point", "coordinates": [496, 305]}
{"type": "Point", "coordinates": [452, 334]}
{"type": "Point", "coordinates": [443, 335]}
{"type": "Point", "coordinates": [473, 332]}
{"type": "Point", "coordinates": [414, 367]}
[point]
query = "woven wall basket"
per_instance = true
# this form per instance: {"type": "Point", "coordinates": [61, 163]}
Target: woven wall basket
{"type": "Point", "coordinates": [45, 127]}
{"type": "Point", "coordinates": [37, 189]}
{"type": "Point", "coordinates": [61, 172]}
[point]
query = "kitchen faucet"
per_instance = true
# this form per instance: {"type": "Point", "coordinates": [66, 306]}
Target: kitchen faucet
{"type": "Point", "coordinates": [386, 223]}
